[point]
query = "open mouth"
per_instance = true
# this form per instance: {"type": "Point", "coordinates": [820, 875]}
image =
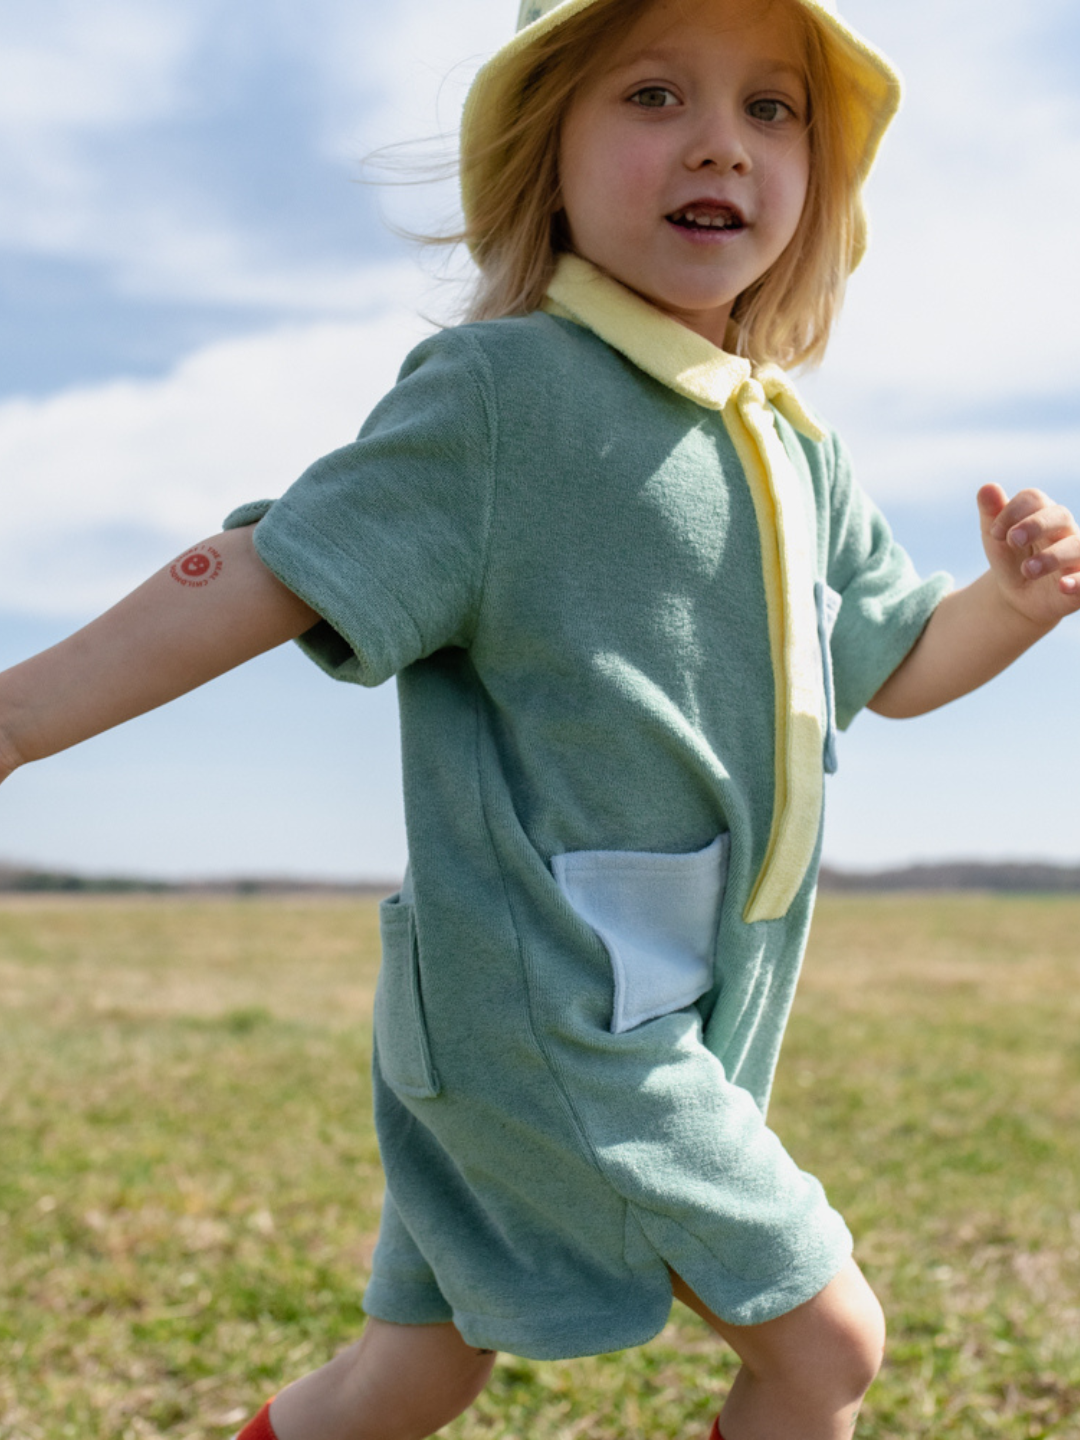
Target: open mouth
{"type": "Point", "coordinates": [707, 217]}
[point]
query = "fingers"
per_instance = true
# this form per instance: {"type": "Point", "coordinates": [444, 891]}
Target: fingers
{"type": "Point", "coordinates": [1031, 522]}
{"type": "Point", "coordinates": [1062, 555]}
{"type": "Point", "coordinates": [1023, 509]}
{"type": "Point", "coordinates": [1051, 535]}
{"type": "Point", "coordinates": [992, 501]}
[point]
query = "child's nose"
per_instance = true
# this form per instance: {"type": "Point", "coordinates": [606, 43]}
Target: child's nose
{"type": "Point", "coordinates": [718, 143]}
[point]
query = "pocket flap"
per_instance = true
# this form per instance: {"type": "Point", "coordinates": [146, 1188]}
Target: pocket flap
{"type": "Point", "coordinates": [401, 1040]}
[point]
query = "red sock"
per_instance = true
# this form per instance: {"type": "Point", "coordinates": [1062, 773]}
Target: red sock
{"type": "Point", "coordinates": [259, 1428]}
{"type": "Point", "coordinates": [714, 1433]}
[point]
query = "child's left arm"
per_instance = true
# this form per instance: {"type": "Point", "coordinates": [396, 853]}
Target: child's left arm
{"type": "Point", "coordinates": [1033, 547]}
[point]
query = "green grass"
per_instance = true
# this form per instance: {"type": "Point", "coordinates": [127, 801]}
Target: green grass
{"type": "Point", "coordinates": [189, 1184]}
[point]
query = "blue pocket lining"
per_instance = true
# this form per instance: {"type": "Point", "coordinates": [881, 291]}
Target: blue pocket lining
{"type": "Point", "coordinates": [657, 915]}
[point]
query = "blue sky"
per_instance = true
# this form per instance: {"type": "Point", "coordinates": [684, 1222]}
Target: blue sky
{"type": "Point", "coordinates": [197, 298]}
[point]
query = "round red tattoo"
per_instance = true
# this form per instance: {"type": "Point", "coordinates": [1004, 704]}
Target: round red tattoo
{"type": "Point", "coordinates": [197, 567]}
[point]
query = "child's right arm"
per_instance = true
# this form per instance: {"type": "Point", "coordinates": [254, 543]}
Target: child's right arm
{"type": "Point", "coordinates": [213, 608]}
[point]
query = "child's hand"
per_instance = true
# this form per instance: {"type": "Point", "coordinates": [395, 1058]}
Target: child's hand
{"type": "Point", "coordinates": [1033, 547]}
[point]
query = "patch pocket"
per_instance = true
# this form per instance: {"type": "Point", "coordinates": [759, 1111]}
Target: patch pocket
{"type": "Point", "coordinates": [400, 1030]}
{"type": "Point", "coordinates": [657, 916]}
{"type": "Point", "coordinates": [828, 602]}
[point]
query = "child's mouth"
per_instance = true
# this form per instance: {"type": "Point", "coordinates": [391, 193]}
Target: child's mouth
{"type": "Point", "coordinates": [707, 217]}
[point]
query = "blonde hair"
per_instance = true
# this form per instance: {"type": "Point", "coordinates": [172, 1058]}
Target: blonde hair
{"type": "Point", "coordinates": [516, 232]}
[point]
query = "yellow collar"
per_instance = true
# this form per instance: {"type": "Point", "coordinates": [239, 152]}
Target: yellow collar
{"type": "Point", "coordinates": [679, 358]}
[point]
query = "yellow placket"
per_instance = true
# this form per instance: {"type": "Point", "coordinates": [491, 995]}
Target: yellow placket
{"type": "Point", "coordinates": [692, 366]}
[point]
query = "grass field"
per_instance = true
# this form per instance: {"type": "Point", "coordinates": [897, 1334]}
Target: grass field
{"type": "Point", "coordinates": [189, 1184]}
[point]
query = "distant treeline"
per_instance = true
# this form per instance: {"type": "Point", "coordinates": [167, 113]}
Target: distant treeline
{"type": "Point", "coordinates": [15, 879]}
{"type": "Point", "coordinates": [1019, 877]}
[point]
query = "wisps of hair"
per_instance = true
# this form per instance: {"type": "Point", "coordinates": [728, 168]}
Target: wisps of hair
{"type": "Point", "coordinates": [516, 233]}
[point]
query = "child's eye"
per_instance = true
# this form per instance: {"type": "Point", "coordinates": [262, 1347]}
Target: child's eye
{"type": "Point", "coordinates": [768, 110]}
{"type": "Point", "coordinates": [653, 97]}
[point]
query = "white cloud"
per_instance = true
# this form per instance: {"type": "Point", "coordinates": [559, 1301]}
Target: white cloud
{"type": "Point", "coordinates": [402, 73]}
{"type": "Point", "coordinates": [923, 466]}
{"type": "Point", "coordinates": [74, 81]}
{"type": "Point", "coordinates": [967, 297]}
{"type": "Point", "coordinates": [976, 221]}
{"type": "Point", "coordinates": [977, 218]}
{"type": "Point", "coordinates": [100, 172]}
{"type": "Point", "coordinates": [104, 482]}
{"type": "Point", "coordinates": [967, 301]}
{"type": "Point", "coordinates": [64, 66]}
{"type": "Point", "coordinates": [214, 266]}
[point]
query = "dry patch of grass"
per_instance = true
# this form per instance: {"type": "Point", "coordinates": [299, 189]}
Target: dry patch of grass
{"type": "Point", "coordinates": [189, 1185]}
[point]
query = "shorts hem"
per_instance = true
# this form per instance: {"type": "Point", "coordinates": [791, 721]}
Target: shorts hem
{"type": "Point", "coordinates": [407, 1302]}
{"type": "Point", "coordinates": [742, 1300]}
{"type": "Point", "coordinates": [589, 1335]}
{"type": "Point", "coordinates": [534, 1337]}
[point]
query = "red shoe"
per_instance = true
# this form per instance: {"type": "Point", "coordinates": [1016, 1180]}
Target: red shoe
{"type": "Point", "coordinates": [259, 1428]}
{"type": "Point", "coordinates": [714, 1433]}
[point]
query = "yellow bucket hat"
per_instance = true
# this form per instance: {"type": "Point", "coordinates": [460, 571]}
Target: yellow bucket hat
{"type": "Point", "coordinates": [869, 88]}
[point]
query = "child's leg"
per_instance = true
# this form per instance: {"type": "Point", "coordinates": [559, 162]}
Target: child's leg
{"type": "Point", "coordinates": [804, 1374]}
{"type": "Point", "coordinates": [398, 1382]}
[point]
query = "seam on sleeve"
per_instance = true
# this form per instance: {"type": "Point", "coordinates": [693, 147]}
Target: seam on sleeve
{"type": "Point", "coordinates": [485, 387]}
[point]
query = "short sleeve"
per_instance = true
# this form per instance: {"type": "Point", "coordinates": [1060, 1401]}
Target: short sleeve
{"type": "Point", "coordinates": [386, 538]}
{"type": "Point", "coordinates": [884, 603]}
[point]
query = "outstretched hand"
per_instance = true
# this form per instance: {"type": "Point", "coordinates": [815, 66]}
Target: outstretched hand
{"type": "Point", "coordinates": [1033, 546]}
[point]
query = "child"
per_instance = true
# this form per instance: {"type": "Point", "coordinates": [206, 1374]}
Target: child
{"type": "Point", "coordinates": [628, 586]}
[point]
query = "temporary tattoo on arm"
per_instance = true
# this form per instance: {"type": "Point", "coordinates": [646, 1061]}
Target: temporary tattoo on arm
{"type": "Point", "coordinates": [197, 567]}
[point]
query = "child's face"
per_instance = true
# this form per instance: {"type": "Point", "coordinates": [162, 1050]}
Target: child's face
{"type": "Point", "coordinates": [685, 157]}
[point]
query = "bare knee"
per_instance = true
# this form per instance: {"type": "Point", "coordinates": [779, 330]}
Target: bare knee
{"type": "Point", "coordinates": [853, 1338]}
{"type": "Point", "coordinates": [832, 1346]}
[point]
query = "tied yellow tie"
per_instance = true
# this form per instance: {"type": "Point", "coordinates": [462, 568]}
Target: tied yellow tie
{"type": "Point", "coordinates": [692, 366]}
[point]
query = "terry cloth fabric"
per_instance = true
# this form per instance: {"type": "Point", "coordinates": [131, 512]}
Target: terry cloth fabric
{"type": "Point", "coordinates": [560, 556]}
{"type": "Point", "coordinates": [745, 398]}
